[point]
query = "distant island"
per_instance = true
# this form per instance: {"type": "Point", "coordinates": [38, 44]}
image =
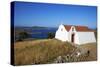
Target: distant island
{"type": "Point", "coordinates": [39, 27]}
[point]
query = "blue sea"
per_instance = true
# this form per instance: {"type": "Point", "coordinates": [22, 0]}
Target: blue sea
{"type": "Point", "coordinates": [42, 33]}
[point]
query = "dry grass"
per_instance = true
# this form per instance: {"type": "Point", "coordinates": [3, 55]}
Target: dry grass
{"type": "Point", "coordinates": [92, 47]}
{"type": "Point", "coordinates": [46, 50]}
{"type": "Point", "coordinates": [40, 51]}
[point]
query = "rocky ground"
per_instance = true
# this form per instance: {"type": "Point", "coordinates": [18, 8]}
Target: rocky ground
{"type": "Point", "coordinates": [85, 52]}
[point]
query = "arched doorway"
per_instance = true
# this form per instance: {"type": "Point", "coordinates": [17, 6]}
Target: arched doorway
{"type": "Point", "coordinates": [72, 38]}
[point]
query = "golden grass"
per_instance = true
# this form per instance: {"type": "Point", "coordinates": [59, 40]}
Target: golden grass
{"type": "Point", "coordinates": [40, 51]}
{"type": "Point", "coordinates": [92, 47]}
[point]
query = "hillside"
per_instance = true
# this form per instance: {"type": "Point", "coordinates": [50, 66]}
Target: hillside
{"type": "Point", "coordinates": [40, 51]}
{"type": "Point", "coordinates": [48, 51]}
{"type": "Point", "coordinates": [92, 47]}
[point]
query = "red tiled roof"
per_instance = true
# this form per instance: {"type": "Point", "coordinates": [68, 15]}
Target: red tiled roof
{"type": "Point", "coordinates": [78, 28]}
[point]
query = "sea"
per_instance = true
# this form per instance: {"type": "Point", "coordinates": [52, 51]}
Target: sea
{"type": "Point", "coordinates": [42, 33]}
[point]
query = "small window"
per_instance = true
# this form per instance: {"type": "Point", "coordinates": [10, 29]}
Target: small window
{"type": "Point", "coordinates": [72, 29]}
{"type": "Point", "coordinates": [61, 29]}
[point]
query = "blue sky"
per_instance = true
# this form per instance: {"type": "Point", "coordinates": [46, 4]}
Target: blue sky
{"type": "Point", "coordinates": [52, 15]}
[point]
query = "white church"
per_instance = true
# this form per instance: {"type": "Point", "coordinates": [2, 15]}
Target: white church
{"type": "Point", "coordinates": [75, 34]}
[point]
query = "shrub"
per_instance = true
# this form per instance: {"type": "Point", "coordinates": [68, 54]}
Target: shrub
{"type": "Point", "coordinates": [22, 35]}
{"type": "Point", "coordinates": [51, 35]}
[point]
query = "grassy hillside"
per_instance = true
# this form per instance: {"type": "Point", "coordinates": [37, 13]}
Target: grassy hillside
{"type": "Point", "coordinates": [51, 51]}
{"type": "Point", "coordinates": [40, 51]}
{"type": "Point", "coordinates": [92, 47]}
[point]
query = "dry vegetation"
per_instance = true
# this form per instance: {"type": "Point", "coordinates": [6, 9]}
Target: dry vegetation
{"type": "Point", "coordinates": [46, 50]}
{"type": "Point", "coordinates": [92, 47]}
{"type": "Point", "coordinates": [40, 51]}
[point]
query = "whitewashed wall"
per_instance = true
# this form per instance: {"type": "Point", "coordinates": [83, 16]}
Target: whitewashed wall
{"type": "Point", "coordinates": [61, 35]}
{"type": "Point", "coordinates": [76, 39]}
{"type": "Point", "coordinates": [86, 37]}
{"type": "Point", "coordinates": [79, 38]}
